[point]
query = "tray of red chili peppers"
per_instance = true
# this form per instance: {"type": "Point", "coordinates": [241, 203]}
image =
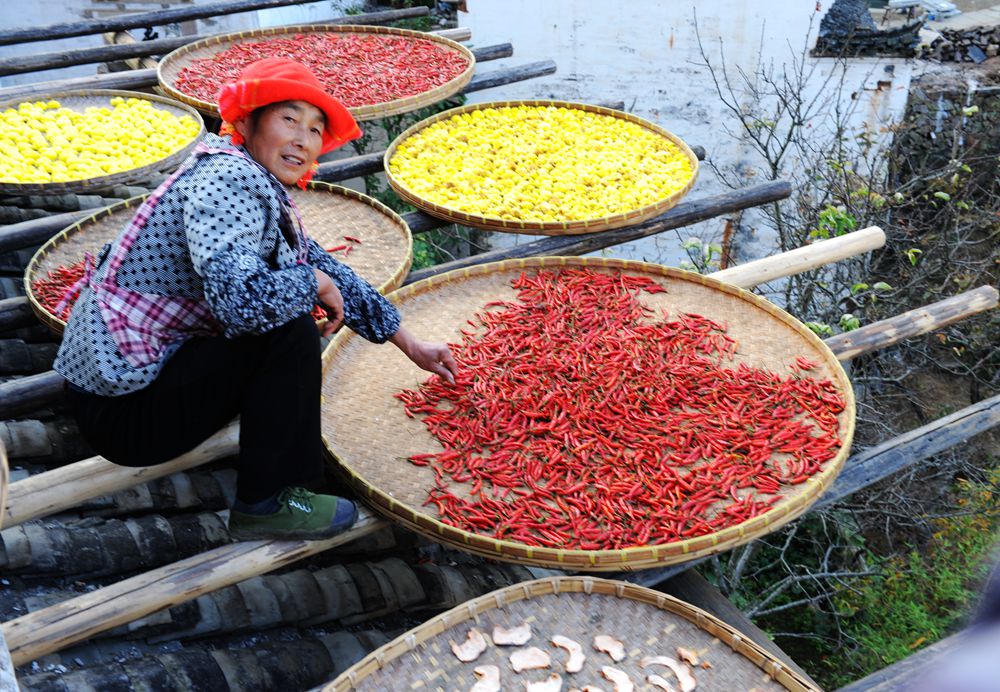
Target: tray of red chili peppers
{"type": "Point", "coordinates": [352, 227]}
{"type": "Point", "coordinates": [375, 71]}
{"type": "Point", "coordinates": [607, 415]}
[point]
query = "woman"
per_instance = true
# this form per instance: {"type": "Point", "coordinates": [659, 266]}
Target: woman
{"type": "Point", "coordinates": [199, 311]}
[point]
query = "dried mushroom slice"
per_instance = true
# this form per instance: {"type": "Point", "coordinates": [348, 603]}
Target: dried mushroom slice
{"type": "Point", "coordinates": [530, 658]}
{"type": "Point", "coordinates": [576, 655]}
{"type": "Point", "coordinates": [553, 683]}
{"type": "Point", "coordinates": [488, 679]}
{"type": "Point", "coordinates": [609, 645]}
{"type": "Point", "coordinates": [512, 636]}
{"type": "Point", "coordinates": [473, 646]}
{"type": "Point", "coordinates": [618, 678]}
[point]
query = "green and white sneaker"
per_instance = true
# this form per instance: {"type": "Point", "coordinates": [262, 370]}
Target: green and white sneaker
{"type": "Point", "coordinates": [301, 514]}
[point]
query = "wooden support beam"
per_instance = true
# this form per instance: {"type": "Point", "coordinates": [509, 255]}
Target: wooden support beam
{"type": "Point", "coordinates": [181, 14]}
{"type": "Point", "coordinates": [60, 489]}
{"type": "Point", "coordinates": [22, 64]}
{"type": "Point", "coordinates": [15, 313]}
{"type": "Point", "coordinates": [912, 323]}
{"type": "Point", "coordinates": [75, 620]}
{"type": "Point", "coordinates": [37, 231]}
{"type": "Point", "coordinates": [131, 80]}
{"type": "Point", "coordinates": [874, 464]}
{"type": "Point", "coordinates": [510, 75]}
{"type": "Point", "coordinates": [685, 213]}
{"type": "Point", "coordinates": [26, 394]}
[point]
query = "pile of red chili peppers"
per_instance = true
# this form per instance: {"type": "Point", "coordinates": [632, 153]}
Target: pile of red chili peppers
{"type": "Point", "coordinates": [358, 69]}
{"type": "Point", "coordinates": [49, 291]}
{"type": "Point", "coordinates": [581, 420]}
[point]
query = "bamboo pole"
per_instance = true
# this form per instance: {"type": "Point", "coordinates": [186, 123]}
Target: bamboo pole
{"type": "Point", "coordinates": [170, 16]}
{"type": "Point", "coordinates": [59, 489]}
{"type": "Point", "coordinates": [912, 323]}
{"type": "Point", "coordinates": [804, 258]}
{"type": "Point", "coordinates": [77, 619]}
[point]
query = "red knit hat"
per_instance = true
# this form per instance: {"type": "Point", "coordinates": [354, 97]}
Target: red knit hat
{"type": "Point", "coordinates": [272, 80]}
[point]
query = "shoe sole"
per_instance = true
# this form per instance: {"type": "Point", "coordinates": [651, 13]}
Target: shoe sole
{"type": "Point", "coordinates": [291, 534]}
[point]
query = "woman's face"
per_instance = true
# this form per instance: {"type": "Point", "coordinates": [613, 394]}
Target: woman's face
{"type": "Point", "coordinates": [285, 138]}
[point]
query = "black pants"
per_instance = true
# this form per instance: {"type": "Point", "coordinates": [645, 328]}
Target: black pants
{"type": "Point", "coordinates": [271, 381]}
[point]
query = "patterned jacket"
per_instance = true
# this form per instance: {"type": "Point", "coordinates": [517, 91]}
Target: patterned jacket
{"type": "Point", "coordinates": [215, 235]}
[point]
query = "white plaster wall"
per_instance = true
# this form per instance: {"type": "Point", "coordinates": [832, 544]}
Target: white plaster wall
{"type": "Point", "coordinates": [646, 55]}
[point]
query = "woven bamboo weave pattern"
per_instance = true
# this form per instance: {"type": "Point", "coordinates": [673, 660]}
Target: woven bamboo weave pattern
{"type": "Point", "coordinates": [171, 65]}
{"type": "Point", "coordinates": [370, 436]}
{"type": "Point", "coordinates": [648, 622]}
{"type": "Point", "coordinates": [80, 100]}
{"type": "Point", "coordinates": [329, 212]}
{"type": "Point", "coordinates": [541, 227]}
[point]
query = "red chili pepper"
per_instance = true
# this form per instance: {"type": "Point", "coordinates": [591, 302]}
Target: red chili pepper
{"type": "Point", "coordinates": [583, 422]}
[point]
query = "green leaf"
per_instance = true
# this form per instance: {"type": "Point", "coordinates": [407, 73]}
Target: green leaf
{"type": "Point", "coordinates": [882, 286]}
{"type": "Point", "coordinates": [858, 287]}
{"type": "Point", "coordinates": [820, 328]}
{"type": "Point", "coordinates": [912, 254]}
{"type": "Point", "coordinates": [942, 195]}
{"type": "Point", "coordinates": [691, 244]}
{"type": "Point", "coordinates": [849, 322]}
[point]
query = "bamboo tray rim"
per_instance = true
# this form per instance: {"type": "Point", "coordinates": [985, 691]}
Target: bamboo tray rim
{"type": "Point", "coordinates": [622, 559]}
{"type": "Point", "coordinates": [119, 177]}
{"type": "Point", "coordinates": [542, 227]}
{"type": "Point", "coordinates": [360, 113]}
{"type": "Point", "coordinates": [740, 643]}
{"type": "Point", "coordinates": [57, 325]}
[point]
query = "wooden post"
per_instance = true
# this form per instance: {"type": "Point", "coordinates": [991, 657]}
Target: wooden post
{"type": "Point", "coordinates": [881, 461]}
{"type": "Point", "coordinates": [162, 17]}
{"type": "Point", "coordinates": [58, 626]}
{"type": "Point", "coordinates": [685, 213]}
{"type": "Point", "coordinates": [919, 321]}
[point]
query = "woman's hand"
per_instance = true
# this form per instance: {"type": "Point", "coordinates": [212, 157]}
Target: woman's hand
{"type": "Point", "coordinates": [330, 298]}
{"type": "Point", "coordinates": [428, 355]}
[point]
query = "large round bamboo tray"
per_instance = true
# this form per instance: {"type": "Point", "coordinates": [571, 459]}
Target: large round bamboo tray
{"type": "Point", "coordinates": [171, 65]}
{"type": "Point", "coordinates": [540, 227]}
{"type": "Point", "coordinates": [367, 432]}
{"type": "Point", "coordinates": [647, 622]}
{"type": "Point", "coordinates": [329, 212]}
{"type": "Point", "coordinates": [79, 101]}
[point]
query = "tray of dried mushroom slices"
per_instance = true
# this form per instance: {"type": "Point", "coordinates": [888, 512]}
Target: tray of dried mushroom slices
{"type": "Point", "coordinates": [571, 633]}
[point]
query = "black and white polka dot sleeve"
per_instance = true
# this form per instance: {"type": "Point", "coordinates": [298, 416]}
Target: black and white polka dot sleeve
{"type": "Point", "coordinates": [225, 224]}
{"type": "Point", "coordinates": [366, 311]}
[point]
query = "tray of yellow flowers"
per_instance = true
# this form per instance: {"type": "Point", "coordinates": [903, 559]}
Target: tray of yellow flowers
{"type": "Point", "coordinates": [545, 167]}
{"type": "Point", "coordinates": [77, 141]}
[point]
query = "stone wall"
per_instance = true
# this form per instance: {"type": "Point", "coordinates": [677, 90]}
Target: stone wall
{"type": "Point", "coordinates": [950, 119]}
{"type": "Point", "coordinates": [975, 44]}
